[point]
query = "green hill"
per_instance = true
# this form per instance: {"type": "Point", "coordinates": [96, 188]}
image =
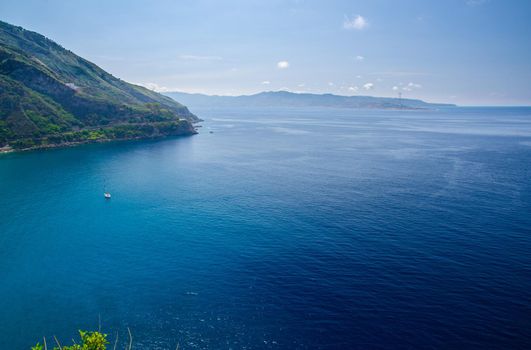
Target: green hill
{"type": "Point", "coordinates": [291, 99]}
{"type": "Point", "coordinates": [49, 96]}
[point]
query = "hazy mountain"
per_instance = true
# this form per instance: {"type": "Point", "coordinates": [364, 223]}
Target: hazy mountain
{"type": "Point", "coordinates": [50, 96]}
{"type": "Point", "coordinates": [289, 99]}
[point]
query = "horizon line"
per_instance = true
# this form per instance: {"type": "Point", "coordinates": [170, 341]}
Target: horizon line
{"type": "Point", "coordinates": [471, 105]}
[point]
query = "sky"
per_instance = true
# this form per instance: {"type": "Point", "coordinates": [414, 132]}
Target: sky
{"type": "Point", "coordinates": [468, 52]}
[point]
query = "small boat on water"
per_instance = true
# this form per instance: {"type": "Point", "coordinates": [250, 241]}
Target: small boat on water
{"type": "Point", "coordinates": [106, 194]}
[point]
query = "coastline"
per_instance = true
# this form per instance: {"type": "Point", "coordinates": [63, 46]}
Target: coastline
{"type": "Point", "coordinates": [9, 149]}
{"type": "Point", "coordinates": [6, 149]}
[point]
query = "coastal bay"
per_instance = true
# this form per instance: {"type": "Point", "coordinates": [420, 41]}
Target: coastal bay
{"type": "Point", "coordinates": [280, 226]}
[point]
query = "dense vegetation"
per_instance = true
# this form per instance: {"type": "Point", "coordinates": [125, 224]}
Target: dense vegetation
{"type": "Point", "coordinates": [115, 132]}
{"type": "Point", "coordinates": [49, 96]}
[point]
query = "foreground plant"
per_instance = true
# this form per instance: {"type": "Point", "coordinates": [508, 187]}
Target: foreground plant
{"type": "Point", "coordinates": [89, 341]}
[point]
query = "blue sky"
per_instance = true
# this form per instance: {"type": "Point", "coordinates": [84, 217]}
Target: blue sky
{"type": "Point", "coordinates": [471, 52]}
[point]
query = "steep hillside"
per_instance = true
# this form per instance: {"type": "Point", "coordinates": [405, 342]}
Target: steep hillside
{"type": "Point", "coordinates": [50, 96]}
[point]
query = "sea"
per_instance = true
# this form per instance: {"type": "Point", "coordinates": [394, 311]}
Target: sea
{"type": "Point", "coordinates": [277, 228]}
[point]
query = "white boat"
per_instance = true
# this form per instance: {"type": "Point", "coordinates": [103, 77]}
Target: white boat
{"type": "Point", "coordinates": [106, 194]}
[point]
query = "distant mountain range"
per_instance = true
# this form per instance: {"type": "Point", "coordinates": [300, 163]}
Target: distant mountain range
{"type": "Point", "coordinates": [290, 99]}
{"type": "Point", "coordinates": [49, 96]}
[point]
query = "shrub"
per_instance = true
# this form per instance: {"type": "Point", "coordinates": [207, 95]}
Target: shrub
{"type": "Point", "coordinates": [89, 341]}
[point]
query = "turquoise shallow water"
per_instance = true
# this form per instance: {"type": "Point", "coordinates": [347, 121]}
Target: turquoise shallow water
{"type": "Point", "coordinates": [282, 229]}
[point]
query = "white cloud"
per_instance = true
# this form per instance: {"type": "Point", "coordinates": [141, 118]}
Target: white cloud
{"type": "Point", "coordinates": [301, 85]}
{"type": "Point", "coordinates": [410, 86]}
{"type": "Point", "coordinates": [330, 83]}
{"type": "Point", "coordinates": [358, 23]}
{"type": "Point", "coordinates": [368, 86]}
{"type": "Point", "coordinates": [359, 76]}
{"type": "Point", "coordinates": [266, 82]}
{"type": "Point", "coordinates": [155, 87]}
{"type": "Point", "coordinates": [395, 88]}
{"type": "Point", "coordinates": [283, 64]}
{"type": "Point", "coordinates": [200, 58]}
{"type": "Point", "coordinates": [360, 58]}
{"type": "Point", "coordinates": [353, 88]}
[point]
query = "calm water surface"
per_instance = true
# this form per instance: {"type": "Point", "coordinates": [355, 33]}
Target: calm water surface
{"type": "Point", "coordinates": [282, 229]}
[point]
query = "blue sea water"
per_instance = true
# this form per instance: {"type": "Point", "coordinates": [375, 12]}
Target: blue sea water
{"type": "Point", "coordinates": [282, 229]}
